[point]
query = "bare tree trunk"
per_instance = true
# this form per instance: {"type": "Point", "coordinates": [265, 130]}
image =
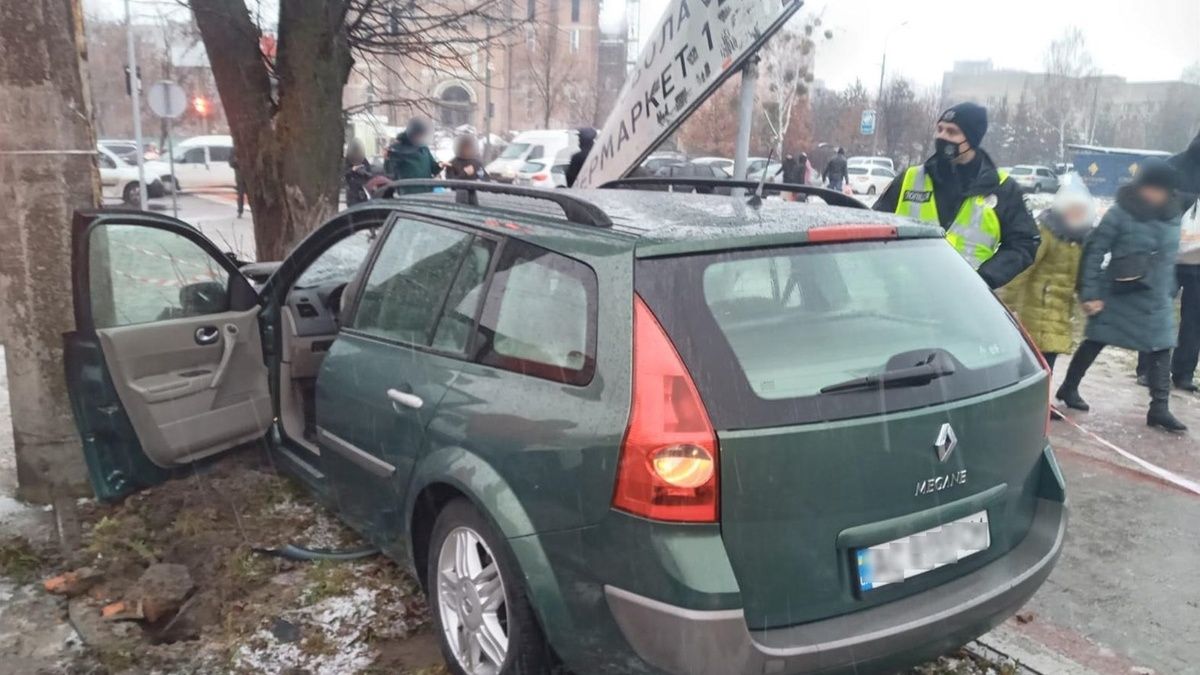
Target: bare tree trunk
{"type": "Point", "coordinates": [289, 144]}
{"type": "Point", "coordinates": [47, 170]}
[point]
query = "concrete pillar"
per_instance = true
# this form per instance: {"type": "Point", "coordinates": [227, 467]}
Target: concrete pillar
{"type": "Point", "coordinates": [47, 170]}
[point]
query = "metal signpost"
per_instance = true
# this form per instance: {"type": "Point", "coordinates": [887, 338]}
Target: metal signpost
{"type": "Point", "coordinates": [168, 100]}
{"type": "Point", "coordinates": [696, 46]}
{"type": "Point", "coordinates": [135, 92]}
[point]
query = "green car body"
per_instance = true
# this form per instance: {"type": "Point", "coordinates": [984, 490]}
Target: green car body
{"type": "Point", "coordinates": [770, 585]}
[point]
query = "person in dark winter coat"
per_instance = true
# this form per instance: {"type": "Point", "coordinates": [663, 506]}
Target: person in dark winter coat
{"type": "Point", "coordinates": [408, 157]}
{"type": "Point", "coordinates": [239, 183]}
{"type": "Point", "coordinates": [1187, 270]}
{"type": "Point", "coordinates": [1130, 303]}
{"type": "Point", "coordinates": [357, 173]}
{"type": "Point", "coordinates": [587, 138]}
{"type": "Point", "coordinates": [836, 170]}
{"type": "Point", "coordinates": [466, 164]}
{"type": "Point", "coordinates": [959, 182]}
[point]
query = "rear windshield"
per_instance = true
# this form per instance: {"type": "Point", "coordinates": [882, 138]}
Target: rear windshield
{"type": "Point", "coordinates": [1022, 171]}
{"type": "Point", "coordinates": [857, 170]}
{"type": "Point", "coordinates": [514, 151]}
{"type": "Point", "coordinates": [763, 332]}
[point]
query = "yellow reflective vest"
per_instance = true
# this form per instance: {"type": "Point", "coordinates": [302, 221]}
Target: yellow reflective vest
{"type": "Point", "coordinates": [975, 232]}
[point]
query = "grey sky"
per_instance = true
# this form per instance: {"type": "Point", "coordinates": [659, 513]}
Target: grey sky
{"type": "Point", "coordinates": [1146, 40]}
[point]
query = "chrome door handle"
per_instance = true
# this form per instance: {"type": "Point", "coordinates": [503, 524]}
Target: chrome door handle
{"type": "Point", "coordinates": [405, 399]}
{"type": "Point", "coordinates": [207, 335]}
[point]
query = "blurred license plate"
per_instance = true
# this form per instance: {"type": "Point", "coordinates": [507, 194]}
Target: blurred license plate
{"type": "Point", "coordinates": [918, 553]}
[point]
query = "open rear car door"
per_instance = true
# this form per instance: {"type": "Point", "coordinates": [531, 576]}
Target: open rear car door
{"type": "Point", "coordinates": [165, 366]}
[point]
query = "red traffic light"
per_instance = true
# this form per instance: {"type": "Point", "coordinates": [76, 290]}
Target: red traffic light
{"type": "Point", "coordinates": [200, 104]}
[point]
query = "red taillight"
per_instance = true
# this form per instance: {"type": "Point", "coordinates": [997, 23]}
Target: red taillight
{"type": "Point", "coordinates": [833, 233]}
{"type": "Point", "coordinates": [668, 465]}
{"type": "Point", "coordinates": [541, 176]}
{"type": "Point", "coordinates": [1042, 360]}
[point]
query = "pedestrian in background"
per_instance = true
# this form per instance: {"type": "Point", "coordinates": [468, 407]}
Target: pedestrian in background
{"type": "Point", "coordinates": [357, 173]}
{"type": "Point", "coordinates": [1187, 269]}
{"type": "Point", "coordinates": [408, 157]}
{"type": "Point", "coordinates": [1130, 302]}
{"type": "Point", "coordinates": [239, 184]}
{"type": "Point", "coordinates": [587, 138]}
{"type": "Point", "coordinates": [960, 188]}
{"type": "Point", "coordinates": [1043, 296]}
{"type": "Point", "coordinates": [466, 164]}
{"type": "Point", "coordinates": [836, 169]}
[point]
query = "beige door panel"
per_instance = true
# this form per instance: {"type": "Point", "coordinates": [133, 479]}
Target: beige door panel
{"type": "Point", "coordinates": [182, 403]}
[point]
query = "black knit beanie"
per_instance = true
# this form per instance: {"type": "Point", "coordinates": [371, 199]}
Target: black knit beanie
{"type": "Point", "coordinates": [972, 118]}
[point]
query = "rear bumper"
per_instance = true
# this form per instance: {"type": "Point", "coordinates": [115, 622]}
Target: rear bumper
{"type": "Point", "coordinates": [895, 634]}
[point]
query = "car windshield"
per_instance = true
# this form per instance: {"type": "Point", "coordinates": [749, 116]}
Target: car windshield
{"type": "Point", "coordinates": [532, 167]}
{"type": "Point", "coordinates": [857, 170]}
{"type": "Point", "coordinates": [339, 262]}
{"type": "Point", "coordinates": [514, 151]}
{"type": "Point", "coordinates": [1022, 171]}
{"type": "Point", "coordinates": [765, 331]}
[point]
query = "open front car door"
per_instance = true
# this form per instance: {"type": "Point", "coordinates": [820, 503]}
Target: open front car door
{"type": "Point", "coordinates": [165, 366]}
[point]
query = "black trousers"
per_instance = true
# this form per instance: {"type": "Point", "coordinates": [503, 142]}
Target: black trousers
{"type": "Point", "coordinates": [1050, 357]}
{"type": "Point", "coordinates": [1157, 364]}
{"type": "Point", "coordinates": [1183, 363]}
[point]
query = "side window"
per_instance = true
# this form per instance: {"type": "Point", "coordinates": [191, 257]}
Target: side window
{"type": "Point", "coordinates": [219, 153]}
{"type": "Point", "coordinates": [536, 152]}
{"type": "Point", "coordinates": [409, 281]}
{"type": "Point", "coordinates": [462, 303]}
{"type": "Point", "coordinates": [194, 156]}
{"type": "Point", "coordinates": [140, 274]}
{"type": "Point", "coordinates": [106, 162]}
{"type": "Point", "coordinates": [540, 316]}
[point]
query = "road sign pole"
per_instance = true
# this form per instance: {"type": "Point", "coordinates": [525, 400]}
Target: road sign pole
{"type": "Point", "coordinates": [171, 160]}
{"type": "Point", "coordinates": [135, 91]}
{"type": "Point", "coordinates": [741, 149]}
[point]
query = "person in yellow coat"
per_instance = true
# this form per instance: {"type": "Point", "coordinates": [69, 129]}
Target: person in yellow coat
{"type": "Point", "coordinates": [1043, 296]}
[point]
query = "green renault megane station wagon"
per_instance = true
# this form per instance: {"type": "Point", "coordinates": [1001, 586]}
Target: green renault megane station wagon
{"type": "Point", "coordinates": [618, 430]}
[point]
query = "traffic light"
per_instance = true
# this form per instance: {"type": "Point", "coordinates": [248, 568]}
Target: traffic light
{"type": "Point", "coordinates": [200, 104]}
{"type": "Point", "coordinates": [129, 81]}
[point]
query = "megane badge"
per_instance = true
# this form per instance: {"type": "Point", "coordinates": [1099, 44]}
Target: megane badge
{"type": "Point", "coordinates": [946, 442]}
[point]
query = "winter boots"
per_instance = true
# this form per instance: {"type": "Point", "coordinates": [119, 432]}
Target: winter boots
{"type": "Point", "coordinates": [1160, 394]}
{"type": "Point", "coordinates": [1069, 395]}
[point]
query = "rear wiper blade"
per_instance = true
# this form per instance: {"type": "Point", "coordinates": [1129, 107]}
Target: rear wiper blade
{"type": "Point", "coordinates": [901, 377]}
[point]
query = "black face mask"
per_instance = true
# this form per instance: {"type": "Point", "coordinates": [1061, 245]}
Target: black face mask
{"type": "Point", "coordinates": [947, 150]}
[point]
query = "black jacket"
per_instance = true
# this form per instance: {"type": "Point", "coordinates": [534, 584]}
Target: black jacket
{"type": "Point", "coordinates": [457, 170]}
{"type": "Point", "coordinates": [836, 168]}
{"type": "Point", "coordinates": [1019, 236]}
{"type": "Point", "coordinates": [1187, 163]}
{"type": "Point", "coordinates": [576, 163]}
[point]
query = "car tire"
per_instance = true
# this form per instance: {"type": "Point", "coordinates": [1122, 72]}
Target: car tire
{"type": "Point", "coordinates": [1037, 188]}
{"type": "Point", "coordinates": [131, 195]}
{"type": "Point", "coordinates": [871, 190]}
{"type": "Point", "coordinates": [462, 537]}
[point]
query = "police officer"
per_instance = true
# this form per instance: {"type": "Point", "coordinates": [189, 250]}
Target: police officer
{"type": "Point", "coordinates": [960, 189]}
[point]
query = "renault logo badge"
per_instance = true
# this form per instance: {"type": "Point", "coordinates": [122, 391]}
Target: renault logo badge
{"type": "Point", "coordinates": [946, 442]}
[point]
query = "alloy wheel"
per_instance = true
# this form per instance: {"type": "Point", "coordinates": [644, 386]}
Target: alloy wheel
{"type": "Point", "coordinates": [472, 602]}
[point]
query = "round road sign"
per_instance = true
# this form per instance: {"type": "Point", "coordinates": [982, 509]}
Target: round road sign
{"type": "Point", "coordinates": [167, 99]}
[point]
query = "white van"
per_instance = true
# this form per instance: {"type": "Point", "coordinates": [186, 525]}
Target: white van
{"type": "Point", "coordinates": [540, 144]}
{"type": "Point", "coordinates": [203, 162]}
{"type": "Point", "coordinates": [885, 162]}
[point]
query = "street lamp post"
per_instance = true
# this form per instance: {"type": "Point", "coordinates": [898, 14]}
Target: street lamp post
{"type": "Point", "coordinates": [879, 97]}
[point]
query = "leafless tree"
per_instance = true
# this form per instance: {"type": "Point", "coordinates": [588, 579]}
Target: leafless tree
{"type": "Point", "coordinates": [283, 97]}
{"type": "Point", "coordinates": [787, 72]}
{"type": "Point", "coordinates": [551, 68]}
{"type": "Point", "coordinates": [1070, 75]}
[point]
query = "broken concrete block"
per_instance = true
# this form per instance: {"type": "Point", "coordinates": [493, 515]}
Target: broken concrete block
{"type": "Point", "coordinates": [161, 590]}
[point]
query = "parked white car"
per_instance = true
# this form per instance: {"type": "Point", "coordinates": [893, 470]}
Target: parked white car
{"type": "Point", "coordinates": [530, 146]}
{"type": "Point", "coordinates": [870, 179]}
{"type": "Point", "coordinates": [756, 165]}
{"type": "Point", "coordinates": [203, 162]}
{"type": "Point", "coordinates": [1034, 178]}
{"type": "Point", "coordinates": [542, 174]}
{"type": "Point", "coordinates": [723, 163]}
{"type": "Point", "coordinates": [119, 179]}
{"type": "Point", "coordinates": [885, 162]}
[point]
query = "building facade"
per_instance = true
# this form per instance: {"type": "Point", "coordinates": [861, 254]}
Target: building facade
{"type": "Point", "coordinates": [540, 64]}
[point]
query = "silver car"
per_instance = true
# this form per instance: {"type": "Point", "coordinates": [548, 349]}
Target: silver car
{"type": "Point", "coordinates": [1035, 178]}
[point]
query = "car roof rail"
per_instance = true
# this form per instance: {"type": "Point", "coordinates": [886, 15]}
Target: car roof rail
{"type": "Point", "coordinates": [831, 197]}
{"type": "Point", "coordinates": [467, 192]}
